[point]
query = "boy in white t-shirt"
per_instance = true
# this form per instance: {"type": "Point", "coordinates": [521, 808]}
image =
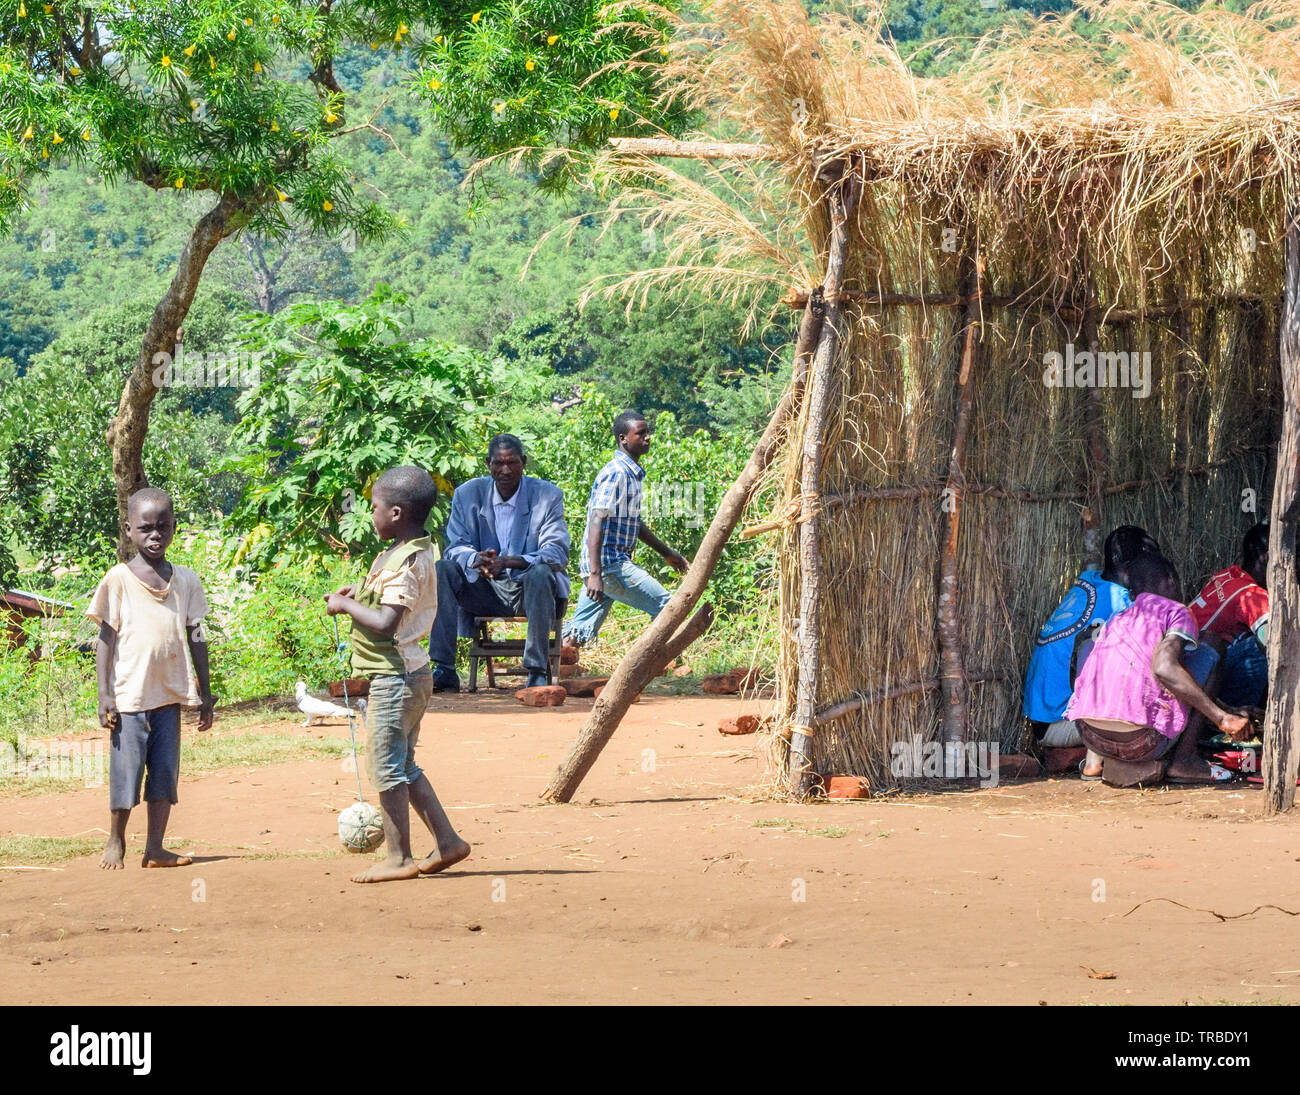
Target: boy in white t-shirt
{"type": "Point", "coordinates": [151, 659]}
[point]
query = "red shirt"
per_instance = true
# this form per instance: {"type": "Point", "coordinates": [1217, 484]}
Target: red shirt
{"type": "Point", "coordinates": [1230, 604]}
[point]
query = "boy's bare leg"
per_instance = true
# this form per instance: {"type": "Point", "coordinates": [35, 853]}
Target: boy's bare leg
{"type": "Point", "coordinates": [155, 855]}
{"type": "Point", "coordinates": [395, 806]}
{"type": "Point", "coordinates": [449, 846]}
{"type": "Point", "coordinates": [115, 847]}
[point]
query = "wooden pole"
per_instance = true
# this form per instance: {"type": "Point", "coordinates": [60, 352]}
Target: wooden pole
{"type": "Point", "coordinates": [651, 652]}
{"type": "Point", "coordinates": [695, 150]}
{"type": "Point", "coordinates": [1282, 725]}
{"type": "Point", "coordinates": [841, 198]}
{"type": "Point", "coordinates": [1095, 418]}
{"type": "Point", "coordinates": [954, 696]}
{"type": "Point", "coordinates": [1183, 422]}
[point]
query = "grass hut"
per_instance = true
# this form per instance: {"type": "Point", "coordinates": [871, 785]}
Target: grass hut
{"type": "Point", "coordinates": [1053, 292]}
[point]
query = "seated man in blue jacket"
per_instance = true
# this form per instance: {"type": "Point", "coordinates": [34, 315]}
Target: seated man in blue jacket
{"type": "Point", "coordinates": [506, 555]}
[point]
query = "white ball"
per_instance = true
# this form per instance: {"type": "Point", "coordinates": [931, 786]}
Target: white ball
{"type": "Point", "coordinates": [361, 827]}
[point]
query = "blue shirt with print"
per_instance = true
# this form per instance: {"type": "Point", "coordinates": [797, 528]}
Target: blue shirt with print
{"type": "Point", "coordinates": [1091, 600]}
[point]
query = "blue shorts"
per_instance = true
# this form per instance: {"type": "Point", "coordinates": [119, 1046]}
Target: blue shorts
{"type": "Point", "coordinates": [144, 741]}
{"type": "Point", "coordinates": [393, 714]}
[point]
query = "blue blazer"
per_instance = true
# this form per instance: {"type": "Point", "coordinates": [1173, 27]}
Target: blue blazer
{"type": "Point", "coordinates": [540, 534]}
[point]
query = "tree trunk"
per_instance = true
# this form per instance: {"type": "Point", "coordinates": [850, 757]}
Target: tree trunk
{"type": "Point", "coordinates": [126, 433]}
{"type": "Point", "coordinates": [653, 650]}
{"type": "Point", "coordinates": [954, 710]}
{"type": "Point", "coordinates": [1282, 727]}
{"type": "Point", "coordinates": [800, 763]}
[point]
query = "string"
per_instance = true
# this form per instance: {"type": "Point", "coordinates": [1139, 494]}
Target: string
{"type": "Point", "coordinates": [339, 647]}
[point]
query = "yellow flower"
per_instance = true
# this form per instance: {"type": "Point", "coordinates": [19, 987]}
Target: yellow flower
{"type": "Point", "coordinates": [402, 29]}
{"type": "Point", "coordinates": [663, 50]}
{"type": "Point", "coordinates": [45, 153]}
{"type": "Point", "coordinates": [188, 51]}
{"type": "Point", "coordinates": [374, 45]}
{"type": "Point", "coordinates": [552, 39]}
{"type": "Point", "coordinates": [166, 61]}
{"type": "Point", "coordinates": [281, 195]}
{"type": "Point", "coordinates": [331, 117]}
{"type": "Point", "coordinates": [212, 63]}
{"type": "Point", "coordinates": [194, 104]}
{"type": "Point", "coordinates": [231, 35]}
{"type": "Point", "coordinates": [435, 83]}
{"type": "Point", "coordinates": [180, 183]}
{"type": "Point", "coordinates": [499, 107]}
{"type": "Point", "coordinates": [56, 139]}
{"type": "Point", "coordinates": [74, 71]}
{"type": "Point", "coordinates": [327, 205]}
{"type": "Point", "coordinates": [49, 8]}
{"type": "Point", "coordinates": [529, 65]}
{"type": "Point", "coordinates": [275, 126]}
{"type": "Point", "coordinates": [275, 19]}
{"type": "Point", "coordinates": [613, 115]}
{"type": "Point", "coordinates": [27, 134]}
{"type": "Point", "coordinates": [85, 134]}
{"type": "Point", "coordinates": [475, 17]}
{"type": "Point", "coordinates": [22, 11]}
{"type": "Point", "coordinates": [257, 66]}
{"type": "Point", "coordinates": [248, 22]}
{"type": "Point", "coordinates": [438, 41]}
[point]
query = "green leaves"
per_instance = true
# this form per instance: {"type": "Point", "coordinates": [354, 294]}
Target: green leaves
{"type": "Point", "coordinates": [343, 397]}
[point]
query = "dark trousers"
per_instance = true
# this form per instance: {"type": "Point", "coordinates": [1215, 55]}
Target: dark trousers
{"type": "Point", "coordinates": [533, 595]}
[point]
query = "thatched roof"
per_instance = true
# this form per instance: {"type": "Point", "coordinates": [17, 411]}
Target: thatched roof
{"type": "Point", "coordinates": [1120, 128]}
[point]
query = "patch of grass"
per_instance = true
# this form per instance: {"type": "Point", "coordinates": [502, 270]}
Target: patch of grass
{"type": "Point", "coordinates": [45, 851]}
{"type": "Point", "coordinates": [206, 754]}
{"type": "Point", "coordinates": [790, 825]}
{"type": "Point", "coordinates": [23, 787]}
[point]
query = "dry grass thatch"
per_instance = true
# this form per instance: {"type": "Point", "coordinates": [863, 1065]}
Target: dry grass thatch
{"type": "Point", "coordinates": [1123, 173]}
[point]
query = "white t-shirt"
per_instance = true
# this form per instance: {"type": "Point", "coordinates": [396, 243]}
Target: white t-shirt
{"type": "Point", "coordinates": [151, 666]}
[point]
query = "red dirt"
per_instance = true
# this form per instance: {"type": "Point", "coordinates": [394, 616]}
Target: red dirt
{"type": "Point", "coordinates": [657, 886]}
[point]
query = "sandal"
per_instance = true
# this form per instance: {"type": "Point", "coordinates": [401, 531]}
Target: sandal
{"type": "Point", "coordinates": [1084, 775]}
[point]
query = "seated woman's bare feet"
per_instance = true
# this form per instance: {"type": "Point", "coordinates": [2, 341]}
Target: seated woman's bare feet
{"type": "Point", "coordinates": [163, 858]}
{"type": "Point", "coordinates": [114, 850]}
{"type": "Point", "coordinates": [435, 861]}
{"type": "Point", "coordinates": [390, 870]}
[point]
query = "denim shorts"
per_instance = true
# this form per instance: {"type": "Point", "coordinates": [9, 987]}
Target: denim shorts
{"type": "Point", "coordinates": [393, 712]}
{"type": "Point", "coordinates": [144, 741]}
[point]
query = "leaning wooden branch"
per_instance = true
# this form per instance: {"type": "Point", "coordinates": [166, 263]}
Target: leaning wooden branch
{"type": "Point", "coordinates": [652, 650]}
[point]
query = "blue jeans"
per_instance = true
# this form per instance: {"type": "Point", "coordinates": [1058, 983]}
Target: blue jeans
{"type": "Point", "coordinates": [1245, 672]}
{"type": "Point", "coordinates": [392, 719]}
{"type": "Point", "coordinates": [624, 582]}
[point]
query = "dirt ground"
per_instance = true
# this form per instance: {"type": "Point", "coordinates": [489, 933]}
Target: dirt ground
{"type": "Point", "coordinates": [659, 886]}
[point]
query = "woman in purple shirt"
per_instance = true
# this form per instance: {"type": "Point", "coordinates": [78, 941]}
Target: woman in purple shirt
{"type": "Point", "coordinates": [1133, 694]}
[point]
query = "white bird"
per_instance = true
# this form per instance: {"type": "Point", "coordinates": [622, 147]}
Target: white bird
{"type": "Point", "coordinates": [315, 708]}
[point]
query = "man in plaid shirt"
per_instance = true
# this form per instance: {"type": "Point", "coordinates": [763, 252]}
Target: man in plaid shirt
{"type": "Point", "coordinates": [614, 526]}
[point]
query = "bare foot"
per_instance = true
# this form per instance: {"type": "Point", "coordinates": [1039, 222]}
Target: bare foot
{"type": "Point", "coordinates": [1199, 772]}
{"type": "Point", "coordinates": [114, 850]}
{"type": "Point", "coordinates": [389, 871]}
{"type": "Point", "coordinates": [434, 862]}
{"type": "Point", "coordinates": [163, 858]}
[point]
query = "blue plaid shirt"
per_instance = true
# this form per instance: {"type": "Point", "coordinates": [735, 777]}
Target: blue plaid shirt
{"type": "Point", "coordinates": [616, 502]}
